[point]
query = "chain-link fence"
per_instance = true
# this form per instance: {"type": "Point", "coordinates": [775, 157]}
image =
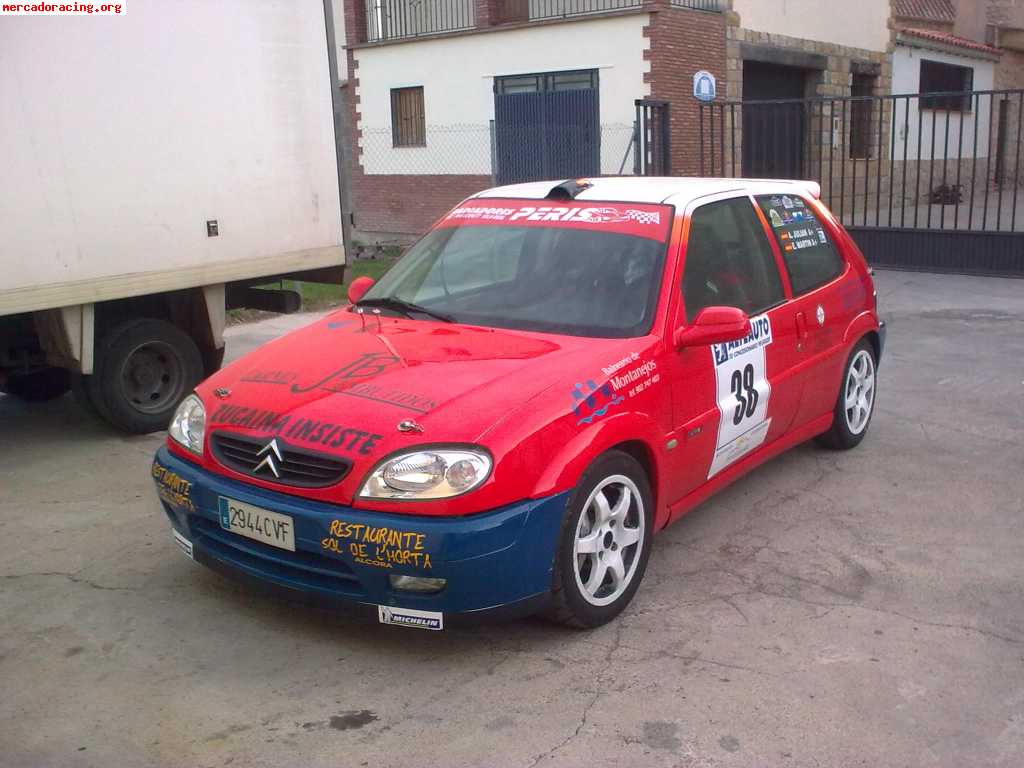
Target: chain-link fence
{"type": "Point", "coordinates": [507, 156]}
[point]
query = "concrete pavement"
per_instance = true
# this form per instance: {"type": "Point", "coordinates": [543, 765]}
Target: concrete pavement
{"type": "Point", "coordinates": [830, 609]}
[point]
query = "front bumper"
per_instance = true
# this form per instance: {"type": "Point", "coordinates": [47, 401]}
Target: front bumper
{"type": "Point", "coordinates": [497, 563]}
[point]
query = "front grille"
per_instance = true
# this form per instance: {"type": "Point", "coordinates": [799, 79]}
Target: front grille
{"type": "Point", "coordinates": [292, 569]}
{"type": "Point", "coordinates": [295, 466]}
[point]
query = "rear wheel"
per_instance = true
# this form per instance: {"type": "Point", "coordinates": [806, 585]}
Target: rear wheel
{"type": "Point", "coordinates": [605, 543]}
{"type": "Point", "coordinates": [143, 369]}
{"type": "Point", "coordinates": [856, 402]}
{"type": "Point", "coordinates": [38, 386]}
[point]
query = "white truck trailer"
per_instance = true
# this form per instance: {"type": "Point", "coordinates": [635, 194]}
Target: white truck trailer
{"type": "Point", "coordinates": [155, 167]}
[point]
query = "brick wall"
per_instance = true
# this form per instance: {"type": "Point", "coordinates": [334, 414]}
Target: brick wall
{"type": "Point", "coordinates": [684, 42]}
{"type": "Point", "coordinates": [390, 205]}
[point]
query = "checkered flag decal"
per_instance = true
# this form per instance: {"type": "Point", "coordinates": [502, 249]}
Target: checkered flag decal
{"type": "Point", "coordinates": [644, 217]}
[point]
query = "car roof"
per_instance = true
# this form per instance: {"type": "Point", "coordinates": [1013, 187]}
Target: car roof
{"type": "Point", "coordinates": [679, 191]}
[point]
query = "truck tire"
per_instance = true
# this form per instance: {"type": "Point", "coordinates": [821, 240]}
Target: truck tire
{"type": "Point", "coordinates": [38, 386]}
{"type": "Point", "coordinates": [142, 370]}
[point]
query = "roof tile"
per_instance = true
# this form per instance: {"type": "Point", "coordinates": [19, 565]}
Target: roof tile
{"type": "Point", "coordinates": [949, 39]}
{"type": "Point", "coordinates": [929, 10]}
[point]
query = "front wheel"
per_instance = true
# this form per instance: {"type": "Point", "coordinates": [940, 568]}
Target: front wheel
{"type": "Point", "coordinates": [856, 401]}
{"type": "Point", "coordinates": [605, 543]}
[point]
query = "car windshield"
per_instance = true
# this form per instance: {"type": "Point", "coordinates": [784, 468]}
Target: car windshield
{"type": "Point", "coordinates": [580, 269]}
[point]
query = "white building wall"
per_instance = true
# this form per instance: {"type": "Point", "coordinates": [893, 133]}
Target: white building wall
{"type": "Point", "coordinates": [906, 78]}
{"type": "Point", "coordinates": [457, 75]}
{"type": "Point", "coordinates": [854, 23]}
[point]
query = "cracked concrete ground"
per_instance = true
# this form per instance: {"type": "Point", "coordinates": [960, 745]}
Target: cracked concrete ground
{"type": "Point", "coordinates": [830, 609]}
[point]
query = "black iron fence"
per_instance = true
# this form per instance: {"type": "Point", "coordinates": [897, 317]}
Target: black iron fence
{"type": "Point", "coordinates": [509, 11]}
{"type": "Point", "coordinates": [397, 19]}
{"type": "Point", "coordinates": [947, 163]}
{"type": "Point", "coordinates": [699, 5]}
{"type": "Point", "coordinates": [652, 149]}
{"type": "Point", "coordinates": [931, 161]}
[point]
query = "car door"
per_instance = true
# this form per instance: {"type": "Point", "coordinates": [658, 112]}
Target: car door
{"type": "Point", "coordinates": [730, 399]}
{"type": "Point", "coordinates": [826, 296]}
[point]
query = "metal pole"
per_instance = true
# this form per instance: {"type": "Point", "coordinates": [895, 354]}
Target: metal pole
{"type": "Point", "coordinates": [341, 137]}
{"type": "Point", "coordinates": [1016, 162]}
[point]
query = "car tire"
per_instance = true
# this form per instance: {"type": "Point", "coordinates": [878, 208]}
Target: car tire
{"type": "Point", "coordinates": [855, 403]}
{"type": "Point", "coordinates": [143, 369]}
{"type": "Point", "coordinates": [604, 543]}
{"type": "Point", "coordinates": [38, 386]}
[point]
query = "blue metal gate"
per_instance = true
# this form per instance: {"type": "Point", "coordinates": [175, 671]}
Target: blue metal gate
{"type": "Point", "coordinates": [547, 126]}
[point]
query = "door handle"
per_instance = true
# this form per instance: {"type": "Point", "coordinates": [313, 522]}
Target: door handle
{"type": "Point", "coordinates": [801, 330]}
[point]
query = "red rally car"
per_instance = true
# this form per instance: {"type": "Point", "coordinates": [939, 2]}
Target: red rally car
{"type": "Point", "coordinates": [554, 373]}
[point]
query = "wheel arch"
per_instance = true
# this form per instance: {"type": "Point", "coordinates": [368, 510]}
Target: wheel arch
{"type": "Point", "coordinates": [634, 434]}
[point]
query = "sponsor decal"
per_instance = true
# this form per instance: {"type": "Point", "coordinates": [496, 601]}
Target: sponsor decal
{"type": "Point", "coordinates": [313, 431]}
{"type": "Point", "coordinates": [642, 373]}
{"type": "Point", "coordinates": [363, 367]}
{"type": "Point", "coordinates": [760, 336]}
{"type": "Point", "coordinates": [776, 218]}
{"type": "Point", "coordinates": [335, 324]}
{"type": "Point", "coordinates": [377, 546]}
{"type": "Point", "coordinates": [618, 366]}
{"type": "Point", "coordinates": [172, 487]}
{"type": "Point", "coordinates": [742, 393]}
{"type": "Point", "coordinates": [366, 366]}
{"type": "Point", "coordinates": [270, 377]}
{"type": "Point", "coordinates": [592, 405]}
{"type": "Point", "coordinates": [184, 544]}
{"type": "Point", "coordinates": [407, 617]}
{"type": "Point", "coordinates": [597, 215]}
{"type": "Point", "coordinates": [395, 397]}
{"type": "Point", "coordinates": [642, 220]}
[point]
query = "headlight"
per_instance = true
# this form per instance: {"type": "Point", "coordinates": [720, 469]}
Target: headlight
{"type": "Point", "coordinates": [188, 424]}
{"type": "Point", "coordinates": [428, 474]}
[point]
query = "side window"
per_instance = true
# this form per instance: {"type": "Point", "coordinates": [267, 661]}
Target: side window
{"type": "Point", "coordinates": [729, 262]}
{"type": "Point", "coordinates": [810, 255]}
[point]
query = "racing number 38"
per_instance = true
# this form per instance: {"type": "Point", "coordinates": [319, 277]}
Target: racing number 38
{"type": "Point", "coordinates": [746, 395]}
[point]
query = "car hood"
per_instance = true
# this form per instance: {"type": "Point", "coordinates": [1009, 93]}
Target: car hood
{"type": "Point", "coordinates": [345, 384]}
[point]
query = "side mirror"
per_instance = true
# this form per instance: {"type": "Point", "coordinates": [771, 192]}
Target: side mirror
{"type": "Point", "coordinates": [714, 325]}
{"type": "Point", "coordinates": [358, 288]}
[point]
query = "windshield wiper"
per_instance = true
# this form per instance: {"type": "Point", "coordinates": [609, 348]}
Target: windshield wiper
{"type": "Point", "coordinates": [405, 307]}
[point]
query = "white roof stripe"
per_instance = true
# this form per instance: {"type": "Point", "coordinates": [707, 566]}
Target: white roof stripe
{"type": "Point", "coordinates": [675, 190]}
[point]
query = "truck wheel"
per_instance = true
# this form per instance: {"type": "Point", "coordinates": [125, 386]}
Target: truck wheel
{"type": "Point", "coordinates": [142, 370]}
{"type": "Point", "coordinates": [38, 386]}
{"type": "Point", "coordinates": [605, 542]}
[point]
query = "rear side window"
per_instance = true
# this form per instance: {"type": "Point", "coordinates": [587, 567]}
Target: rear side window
{"type": "Point", "coordinates": [810, 255]}
{"type": "Point", "coordinates": [729, 262]}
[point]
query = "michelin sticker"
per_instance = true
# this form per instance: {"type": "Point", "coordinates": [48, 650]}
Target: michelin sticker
{"type": "Point", "coordinates": [742, 392]}
{"type": "Point", "coordinates": [407, 617]}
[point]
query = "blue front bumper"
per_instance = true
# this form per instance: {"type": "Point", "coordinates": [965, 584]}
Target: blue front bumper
{"type": "Point", "coordinates": [495, 562]}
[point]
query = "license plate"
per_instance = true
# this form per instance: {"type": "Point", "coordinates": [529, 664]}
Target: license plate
{"type": "Point", "coordinates": [271, 528]}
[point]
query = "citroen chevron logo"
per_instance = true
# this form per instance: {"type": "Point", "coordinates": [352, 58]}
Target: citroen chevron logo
{"type": "Point", "coordinates": [268, 460]}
